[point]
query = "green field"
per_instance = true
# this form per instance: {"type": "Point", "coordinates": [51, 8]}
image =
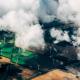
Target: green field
{"type": "Point", "coordinates": [16, 55]}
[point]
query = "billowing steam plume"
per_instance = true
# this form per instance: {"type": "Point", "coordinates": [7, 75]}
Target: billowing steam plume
{"type": "Point", "coordinates": [23, 17]}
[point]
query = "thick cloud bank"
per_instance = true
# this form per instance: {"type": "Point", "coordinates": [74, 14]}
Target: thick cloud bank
{"type": "Point", "coordinates": [22, 17]}
{"type": "Point", "coordinates": [69, 11]}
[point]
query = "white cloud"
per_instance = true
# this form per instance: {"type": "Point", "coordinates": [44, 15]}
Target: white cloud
{"type": "Point", "coordinates": [59, 35]}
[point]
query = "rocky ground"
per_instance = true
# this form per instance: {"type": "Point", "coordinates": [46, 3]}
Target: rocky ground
{"type": "Point", "coordinates": [12, 72]}
{"type": "Point", "coordinates": [57, 75]}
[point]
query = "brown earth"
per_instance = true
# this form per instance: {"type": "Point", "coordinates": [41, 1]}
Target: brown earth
{"type": "Point", "coordinates": [4, 60]}
{"type": "Point", "coordinates": [57, 75]}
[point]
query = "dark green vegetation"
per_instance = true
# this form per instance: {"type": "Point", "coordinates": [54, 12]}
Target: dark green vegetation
{"type": "Point", "coordinates": [53, 56]}
{"type": "Point", "coordinates": [15, 54]}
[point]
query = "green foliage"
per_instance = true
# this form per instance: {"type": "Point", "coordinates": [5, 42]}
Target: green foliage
{"type": "Point", "coordinates": [15, 54]}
